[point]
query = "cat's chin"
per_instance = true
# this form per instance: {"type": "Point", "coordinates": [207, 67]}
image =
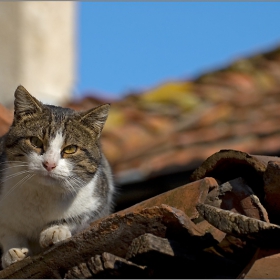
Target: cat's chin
{"type": "Point", "coordinates": [53, 184]}
{"type": "Point", "coordinates": [48, 180]}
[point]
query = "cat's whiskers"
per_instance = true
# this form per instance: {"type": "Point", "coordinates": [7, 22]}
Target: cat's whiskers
{"type": "Point", "coordinates": [63, 180]}
{"type": "Point", "coordinates": [14, 175]}
{"type": "Point", "coordinates": [75, 183]}
{"type": "Point", "coordinates": [14, 166]}
{"type": "Point", "coordinates": [78, 181]}
{"type": "Point", "coordinates": [18, 184]}
{"type": "Point", "coordinates": [13, 161]}
{"type": "Point", "coordinates": [72, 189]}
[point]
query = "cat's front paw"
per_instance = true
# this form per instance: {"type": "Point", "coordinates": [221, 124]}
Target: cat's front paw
{"type": "Point", "coordinates": [53, 235]}
{"type": "Point", "coordinates": [14, 255]}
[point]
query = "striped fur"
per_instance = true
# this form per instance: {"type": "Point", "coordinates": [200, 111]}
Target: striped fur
{"type": "Point", "coordinates": [55, 179]}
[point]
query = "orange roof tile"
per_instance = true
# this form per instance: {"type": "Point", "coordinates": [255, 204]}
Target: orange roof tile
{"type": "Point", "coordinates": [178, 123]}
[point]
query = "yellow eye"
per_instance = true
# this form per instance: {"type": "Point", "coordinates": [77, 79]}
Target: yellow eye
{"type": "Point", "coordinates": [70, 149]}
{"type": "Point", "coordinates": [36, 142]}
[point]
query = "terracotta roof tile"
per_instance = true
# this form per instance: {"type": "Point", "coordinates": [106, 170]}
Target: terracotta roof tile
{"type": "Point", "coordinates": [176, 123]}
{"type": "Point", "coordinates": [6, 118]}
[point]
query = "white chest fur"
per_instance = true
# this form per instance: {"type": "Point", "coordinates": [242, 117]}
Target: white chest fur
{"type": "Point", "coordinates": [31, 205]}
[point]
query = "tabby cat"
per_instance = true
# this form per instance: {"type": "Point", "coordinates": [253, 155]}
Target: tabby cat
{"type": "Point", "coordinates": [55, 179]}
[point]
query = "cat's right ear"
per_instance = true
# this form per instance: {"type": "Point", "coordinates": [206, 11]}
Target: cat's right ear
{"type": "Point", "coordinates": [95, 118]}
{"type": "Point", "coordinates": [25, 103]}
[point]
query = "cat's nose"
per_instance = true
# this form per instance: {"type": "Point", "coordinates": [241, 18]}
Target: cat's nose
{"type": "Point", "coordinates": [49, 165]}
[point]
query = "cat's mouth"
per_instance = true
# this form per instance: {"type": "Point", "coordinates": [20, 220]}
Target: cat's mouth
{"type": "Point", "coordinates": [49, 179]}
{"type": "Point", "coordinates": [50, 176]}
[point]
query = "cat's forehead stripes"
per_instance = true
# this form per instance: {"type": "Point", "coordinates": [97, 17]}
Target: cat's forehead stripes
{"type": "Point", "coordinates": [56, 119]}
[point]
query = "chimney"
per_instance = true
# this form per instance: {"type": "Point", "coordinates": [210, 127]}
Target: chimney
{"type": "Point", "coordinates": [37, 49]}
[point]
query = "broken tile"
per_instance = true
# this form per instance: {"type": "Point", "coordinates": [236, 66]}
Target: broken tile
{"type": "Point", "coordinates": [149, 248]}
{"type": "Point", "coordinates": [264, 265]}
{"type": "Point", "coordinates": [259, 232]}
{"type": "Point", "coordinates": [80, 271]}
{"type": "Point", "coordinates": [226, 165]}
{"type": "Point", "coordinates": [104, 266]}
{"type": "Point", "coordinates": [183, 198]}
{"type": "Point", "coordinates": [95, 264]}
{"type": "Point", "coordinates": [166, 258]}
{"type": "Point", "coordinates": [272, 190]}
{"type": "Point", "coordinates": [120, 267]}
{"type": "Point", "coordinates": [162, 256]}
{"type": "Point", "coordinates": [237, 196]}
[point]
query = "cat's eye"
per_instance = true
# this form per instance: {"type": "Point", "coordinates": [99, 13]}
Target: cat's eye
{"type": "Point", "coordinates": [36, 142]}
{"type": "Point", "coordinates": [70, 149]}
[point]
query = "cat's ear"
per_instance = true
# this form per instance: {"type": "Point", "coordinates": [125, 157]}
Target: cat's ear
{"type": "Point", "coordinates": [25, 103]}
{"type": "Point", "coordinates": [95, 118]}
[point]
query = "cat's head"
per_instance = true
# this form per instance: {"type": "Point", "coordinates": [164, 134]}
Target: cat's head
{"type": "Point", "coordinates": [57, 144]}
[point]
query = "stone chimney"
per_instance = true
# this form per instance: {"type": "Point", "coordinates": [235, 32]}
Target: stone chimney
{"type": "Point", "coordinates": [37, 49]}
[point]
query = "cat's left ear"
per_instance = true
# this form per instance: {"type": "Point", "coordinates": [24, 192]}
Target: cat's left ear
{"type": "Point", "coordinates": [25, 103]}
{"type": "Point", "coordinates": [95, 118]}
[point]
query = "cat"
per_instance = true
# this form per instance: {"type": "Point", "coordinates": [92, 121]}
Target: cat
{"type": "Point", "coordinates": [55, 180]}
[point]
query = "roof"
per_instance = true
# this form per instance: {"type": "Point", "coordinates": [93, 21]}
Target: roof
{"type": "Point", "coordinates": [222, 221]}
{"type": "Point", "coordinates": [176, 125]}
{"type": "Point", "coordinates": [224, 217]}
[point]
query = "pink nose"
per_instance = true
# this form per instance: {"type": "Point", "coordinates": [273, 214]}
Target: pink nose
{"type": "Point", "coordinates": [49, 165]}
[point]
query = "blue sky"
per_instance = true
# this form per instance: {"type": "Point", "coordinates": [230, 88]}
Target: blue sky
{"type": "Point", "coordinates": [133, 46]}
